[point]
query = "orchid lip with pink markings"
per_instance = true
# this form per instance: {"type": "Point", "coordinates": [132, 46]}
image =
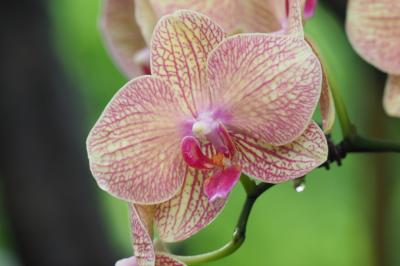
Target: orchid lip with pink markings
{"type": "Point", "coordinates": [208, 128]}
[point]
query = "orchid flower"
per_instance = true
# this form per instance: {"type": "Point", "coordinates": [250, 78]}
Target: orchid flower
{"type": "Point", "coordinates": [127, 38]}
{"type": "Point", "coordinates": [373, 28]}
{"type": "Point", "coordinates": [175, 143]}
{"type": "Point", "coordinates": [214, 105]}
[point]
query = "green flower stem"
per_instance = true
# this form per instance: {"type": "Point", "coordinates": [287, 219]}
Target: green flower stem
{"type": "Point", "coordinates": [253, 191]}
{"type": "Point", "coordinates": [362, 144]}
{"type": "Point", "coordinates": [248, 184]}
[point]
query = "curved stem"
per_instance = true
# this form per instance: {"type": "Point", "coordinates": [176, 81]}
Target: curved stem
{"type": "Point", "coordinates": [362, 144]}
{"type": "Point", "coordinates": [248, 184]}
{"type": "Point", "coordinates": [253, 191]}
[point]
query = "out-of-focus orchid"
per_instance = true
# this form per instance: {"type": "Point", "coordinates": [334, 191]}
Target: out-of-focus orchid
{"type": "Point", "coordinates": [373, 28]}
{"type": "Point", "coordinates": [213, 108]}
{"type": "Point", "coordinates": [127, 37]}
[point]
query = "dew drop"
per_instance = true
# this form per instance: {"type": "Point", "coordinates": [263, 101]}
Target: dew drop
{"type": "Point", "coordinates": [299, 184]}
{"type": "Point", "coordinates": [300, 187]}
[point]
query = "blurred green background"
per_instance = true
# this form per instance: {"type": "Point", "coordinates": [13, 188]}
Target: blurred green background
{"type": "Point", "coordinates": [348, 215]}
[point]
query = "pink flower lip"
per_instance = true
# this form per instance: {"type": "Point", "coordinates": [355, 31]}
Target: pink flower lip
{"type": "Point", "coordinates": [207, 129]}
{"type": "Point", "coordinates": [309, 8]}
{"type": "Point", "coordinates": [192, 154]}
{"type": "Point", "coordinates": [221, 183]}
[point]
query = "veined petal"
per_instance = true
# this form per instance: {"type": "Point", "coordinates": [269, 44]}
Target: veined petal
{"type": "Point", "coordinates": [164, 259]}
{"type": "Point", "coordinates": [141, 217]}
{"type": "Point", "coordinates": [212, 8]}
{"type": "Point", "coordinates": [270, 83]}
{"type": "Point", "coordinates": [391, 99]}
{"type": "Point", "coordinates": [122, 34]}
{"type": "Point", "coordinates": [295, 19]}
{"type": "Point", "coordinates": [189, 211]}
{"type": "Point", "coordinates": [134, 148]}
{"type": "Point", "coordinates": [373, 28]}
{"type": "Point", "coordinates": [255, 15]}
{"type": "Point", "coordinates": [180, 47]}
{"type": "Point", "coordinates": [276, 164]}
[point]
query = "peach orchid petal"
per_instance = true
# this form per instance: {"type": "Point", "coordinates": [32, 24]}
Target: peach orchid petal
{"type": "Point", "coordinates": [373, 28]}
{"type": "Point", "coordinates": [227, 19]}
{"type": "Point", "coordinates": [276, 164]}
{"type": "Point", "coordinates": [167, 260]}
{"type": "Point", "coordinates": [179, 50]}
{"type": "Point", "coordinates": [122, 34]}
{"type": "Point", "coordinates": [270, 83]}
{"type": "Point", "coordinates": [391, 98]}
{"type": "Point", "coordinates": [141, 218]}
{"type": "Point", "coordinates": [295, 19]}
{"type": "Point", "coordinates": [133, 148]}
{"type": "Point", "coordinates": [255, 15]}
{"type": "Point", "coordinates": [189, 211]}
